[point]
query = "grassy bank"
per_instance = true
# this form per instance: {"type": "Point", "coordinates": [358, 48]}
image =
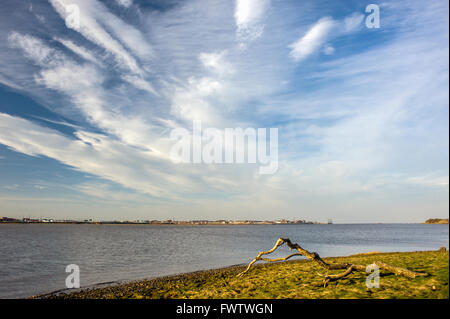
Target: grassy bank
{"type": "Point", "coordinates": [292, 279]}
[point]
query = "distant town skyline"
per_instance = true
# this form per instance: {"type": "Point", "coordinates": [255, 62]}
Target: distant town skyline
{"type": "Point", "coordinates": [91, 90]}
{"type": "Point", "coordinates": [161, 222]}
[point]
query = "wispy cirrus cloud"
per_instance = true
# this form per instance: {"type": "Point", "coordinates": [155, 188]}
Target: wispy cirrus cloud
{"type": "Point", "coordinates": [82, 52]}
{"type": "Point", "coordinates": [88, 153]}
{"type": "Point", "coordinates": [93, 15]}
{"type": "Point", "coordinates": [35, 49]}
{"type": "Point", "coordinates": [312, 40]}
{"type": "Point", "coordinates": [319, 33]}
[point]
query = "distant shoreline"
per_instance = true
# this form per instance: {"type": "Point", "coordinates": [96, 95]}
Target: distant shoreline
{"type": "Point", "coordinates": [436, 221]}
{"type": "Point", "coordinates": [282, 221]}
{"type": "Point", "coordinates": [210, 224]}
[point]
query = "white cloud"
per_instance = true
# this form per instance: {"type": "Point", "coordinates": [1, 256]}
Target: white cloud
{"type": "Point", "coordinates": [131, 37]}
{"type": "Point", "coordinates": [34, 49]}
{"type": "Point", "coordinates": [83, 85]}
{"type": "Point", "coordinates": [91, 13]}
{"type": "Point", "coordinates": [352, 22]}
{"type": "Point", "coordinates": [82, 52]}
{"type": "Point", "coordinates": [191, 102]}
{"type": "Point", "coordinates": [312, 40]}
{"type": "Point", "coordinates": [125, 3]}
{"type": "Point", "coordinates": [248, 15]}
{"type": "Point", "coordinates": [70, 78]}
{"type": "Point", "coordinates": [140, 83]}
{"type": "Point", "coordinates": [320, 32]}
{"type": "Point", "coordinates": [112, 160]}
{"type": "Point", "coordinates": [91, 153]}
{"type": "Point", "coordinates": [216, 62]}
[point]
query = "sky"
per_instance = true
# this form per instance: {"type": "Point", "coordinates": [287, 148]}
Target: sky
{"type": "Point", "coordinates": [86, 111]}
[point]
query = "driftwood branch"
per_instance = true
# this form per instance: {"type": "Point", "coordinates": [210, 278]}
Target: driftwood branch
{"type": "Point", "coordinates": [314, 257]}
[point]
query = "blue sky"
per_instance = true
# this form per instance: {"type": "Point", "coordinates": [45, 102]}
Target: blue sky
{"type": "Point", "coordinates": [362, 114]}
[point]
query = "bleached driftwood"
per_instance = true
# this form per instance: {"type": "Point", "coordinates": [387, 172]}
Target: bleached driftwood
{"type": "Point", "coordinates": [314, 257]}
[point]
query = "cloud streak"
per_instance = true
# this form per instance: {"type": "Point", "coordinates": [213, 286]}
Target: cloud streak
{"type": "Point", "coordinates": [312, 40]}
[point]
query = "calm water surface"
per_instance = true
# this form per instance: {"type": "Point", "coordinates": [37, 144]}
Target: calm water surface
{"type": "Point", "coordinates": [33, 257]}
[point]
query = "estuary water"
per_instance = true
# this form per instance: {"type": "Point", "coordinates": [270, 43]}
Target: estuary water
{"type": "Point", "coordinates": [33, 257]}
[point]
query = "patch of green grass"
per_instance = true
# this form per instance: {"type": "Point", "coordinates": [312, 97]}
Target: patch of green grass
{"type": "Point", "coordinates": [293, 279]}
